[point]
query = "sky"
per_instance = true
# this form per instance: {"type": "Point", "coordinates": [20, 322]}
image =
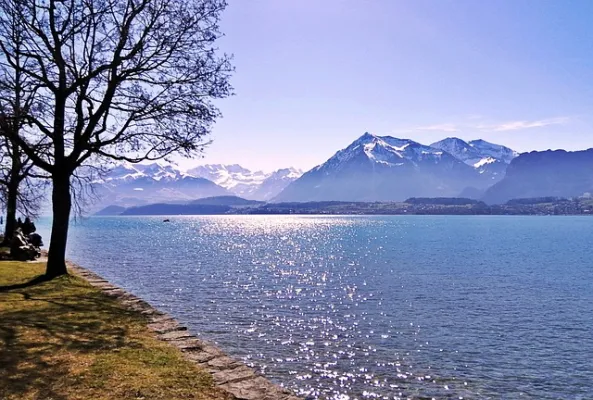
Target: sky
{"type": "Point", "coordinates": [312, 76]}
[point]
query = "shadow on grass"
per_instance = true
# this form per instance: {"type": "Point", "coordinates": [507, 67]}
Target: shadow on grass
{"type": "Point", "coordinates": [35, 281]}
{"type": "Point", "coordinates": [55, 326]}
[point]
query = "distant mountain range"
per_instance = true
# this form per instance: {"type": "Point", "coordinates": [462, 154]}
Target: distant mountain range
{"type": "Point", "coordinates": [256, 185]}
{"type": "Point", "coordinates": [384, 168]}
{"type": "Point", "coordinates": [129, 185]}
{"type": "Point", "coordinates": [371, 169]}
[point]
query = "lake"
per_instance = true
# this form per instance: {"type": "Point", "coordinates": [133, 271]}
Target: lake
{"type": "Point", "coordinates": [336, 307]}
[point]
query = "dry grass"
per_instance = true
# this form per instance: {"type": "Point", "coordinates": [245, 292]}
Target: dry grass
{"type": "Point", "coordinates": [63, 339]}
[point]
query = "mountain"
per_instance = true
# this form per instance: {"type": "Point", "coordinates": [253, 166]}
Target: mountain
{"type": "Point", "coordinates": [372, 168]}
{"type": "Point", "coordinates": [256, 185]}
{"type": "Point", "coordinates": [205, 206]}
{"type": "Point", "coordinates": [238, 180]}
{"type": "Point", "coordinates": [495, 151]}
{"type": "Point", "coordinates": [556, 173]}
{"type": "Point", "coordinates": [233, 201]}
{"type": "Point", "coordinates": [384, 168]}
{"type": "Point", "coordinates": [110, 210]}
{"type": "Point", "coordinates": [275, 183]}
{"type": "Point", "coordinates": [128, 185]}
{"type": "Point", "coordinates": [489, 159]}
{"type": "Point", "coordinates": [131, 185]}
{"type": "Point", "coordinates": [460, 149]}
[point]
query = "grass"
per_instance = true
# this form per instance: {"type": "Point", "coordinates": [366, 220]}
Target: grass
{"type": "Point", "coordinates": [63, 339]}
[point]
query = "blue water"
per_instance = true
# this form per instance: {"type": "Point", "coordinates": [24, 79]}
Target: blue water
{"type": "Point", "coordinates": [371, 307]}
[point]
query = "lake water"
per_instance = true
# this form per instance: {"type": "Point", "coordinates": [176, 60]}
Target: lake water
{"type": "Point", "coordinates": [371, 307]}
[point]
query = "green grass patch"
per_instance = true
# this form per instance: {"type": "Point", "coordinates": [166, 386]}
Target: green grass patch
{"type": "Point", "coordinates": [64, 339]}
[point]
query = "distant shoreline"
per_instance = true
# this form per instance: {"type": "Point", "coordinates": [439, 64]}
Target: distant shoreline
{"type": "Point", "coordinates": [340, 215]}
{"type": "Point", "coordinates": [413, 206]}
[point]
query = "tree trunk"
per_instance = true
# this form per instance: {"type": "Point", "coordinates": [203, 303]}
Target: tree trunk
{"type": "Point", "coordinates": [61, 204]}
{"type": "Point", "coordinates": [12, 190]}
{"type": "Point", "coordinates": [12, 193]}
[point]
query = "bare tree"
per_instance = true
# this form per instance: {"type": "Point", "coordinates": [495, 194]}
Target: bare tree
{"type": "Point", "coordinates": [12, 174]}
{"type": "Point", "coordinates": [21, 188]}
{"type": "Point", "coordinates": [119, 79]}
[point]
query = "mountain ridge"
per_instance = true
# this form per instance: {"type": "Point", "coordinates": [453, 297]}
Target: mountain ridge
{"type": "Point", "coordinates": [556, 173]}
{"type": "Point", "coordinates": [385, 168]}
{"type": "Point", "coordinates": [371, 168]}
{"type": "Point", "coordinates": [129, 185]}
{"type": "Point", "coordinates": [253, 185]}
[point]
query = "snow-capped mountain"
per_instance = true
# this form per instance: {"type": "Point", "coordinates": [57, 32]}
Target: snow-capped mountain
{"type": "Point", "coordinates": [275, 182]}
{"type": "Point", "coordinates": [496, 151]}
{"type": "Point", "coordinates": [139, 184]}
{"type": "Point", "coordinates": [254, 185]}
{"type": "Point", "coordinates": [130, 185]}
{"type": "Point", "coordinates": [476, 152]}
{"type": "Point", "coordinates": [372, 168]}
{"type": "Point", "coordinates": [240, 181]}
{"type": "Point", "coordinates": [384, 168]}
{"type": "Point", "coordinates": [157, 171]}
{"type": "Point", "coordinates": [491, 160]}
{"type": "Point", "coordinates": [460, 149]}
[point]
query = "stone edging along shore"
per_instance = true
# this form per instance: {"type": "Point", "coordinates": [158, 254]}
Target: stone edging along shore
{"type": "Point", "coordinates": [233, 376]}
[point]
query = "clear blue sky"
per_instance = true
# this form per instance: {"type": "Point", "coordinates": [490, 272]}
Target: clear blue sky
{"type": "Point", "coordinates": [313, 75]}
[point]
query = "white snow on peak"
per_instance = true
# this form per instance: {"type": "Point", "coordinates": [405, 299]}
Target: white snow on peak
{"type": "Point", "coordinates": [391, 151]}
{"type": "Point", "coordinates": [496, 151]}
{"type": "Point", "coordinates": [384, 150]}
{"type": "Point", "coordinates": [484, 161]}
{"type": "Point", "coordinates": [286, 173]}
{"type": "Point", "coordinates": [247, 183]}
{"type": "Point", "coordinates": [229, 176]}
{"type": "Point", "coordinates": [458, 149]}
{"type": "Point", "coordinates": [476, 152]}
{"type": "Point", "coordinates": [240, 181]}
{"type": "Point", "coordinates": [381, 152]}
{"type": "Point", "coordinates": [156, 171]}
{"type": "Point", "coordinates": [123, 172]}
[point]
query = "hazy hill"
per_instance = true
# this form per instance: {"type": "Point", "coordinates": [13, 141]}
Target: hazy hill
{"type": "Point", "coordinates": [226, 201]}
{"type": "Point", "coordinates": [205, 206]}
{"type": "Point", "coordinates": [111, 210]}
{"type": "Point", "coordinates": [543, 174]}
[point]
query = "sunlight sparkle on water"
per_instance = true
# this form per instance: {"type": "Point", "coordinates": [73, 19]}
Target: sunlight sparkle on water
{"type": "Point", "coordinates": [371, 307]}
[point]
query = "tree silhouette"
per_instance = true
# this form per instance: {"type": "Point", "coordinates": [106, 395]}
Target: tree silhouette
{"type": "Point", "coordinates": [126, 80]}
{"type": "Point", "coordinates": [19, 188]}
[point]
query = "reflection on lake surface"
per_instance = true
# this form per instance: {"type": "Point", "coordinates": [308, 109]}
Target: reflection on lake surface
{"type": "Point", "coordinates": [371, 307]}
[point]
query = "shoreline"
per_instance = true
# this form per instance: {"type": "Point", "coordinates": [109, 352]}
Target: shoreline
{"type": "Point", "coordinates": [231, 375]}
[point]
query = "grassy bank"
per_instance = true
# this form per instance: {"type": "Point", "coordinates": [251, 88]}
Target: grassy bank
{"type": "Point", "coordinates": [63, 339]}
